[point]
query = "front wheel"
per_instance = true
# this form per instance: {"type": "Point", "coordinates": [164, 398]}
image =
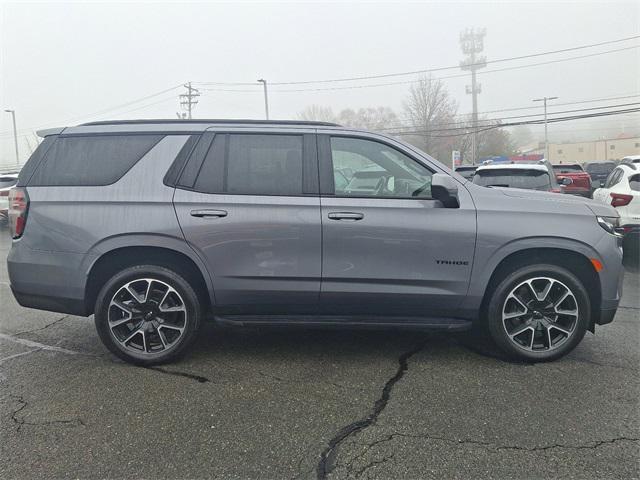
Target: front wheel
{"type": "Point", "coordinates": [147, 314]}
{"type": "Point", "coordinates": [538, 313]}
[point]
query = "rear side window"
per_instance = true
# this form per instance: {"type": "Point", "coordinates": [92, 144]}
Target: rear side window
{"type": "Point", "coordinates": [91, 160]}
{"type": "Point", "coordinates": [34, 160]}
{"type": "Point", "coordinates": [634, 182]}
{"type": "Point", "coordinates": [247, 164]}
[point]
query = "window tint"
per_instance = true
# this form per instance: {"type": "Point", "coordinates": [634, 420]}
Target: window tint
{"type": "Point", "coordinates": [513, 178]}
{"type": "Point", "coordinates": [614, 178]}
{"type": "Point", "coordinates": [373, 169]}
{"type": "Point", "coordinates": [253, 165]}
{"type": "Point", "coordinates": [91, 160]}
{"type": "Point", "coordinates": [183, 155]}
{"type": "Point", "coordinates": [35, 159]}
{"type": "Point", "coordinates": [634, 182]}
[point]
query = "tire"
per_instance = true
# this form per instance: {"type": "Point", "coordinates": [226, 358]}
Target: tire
{"type": "Point", "coordinates": [530, 318]}
{"type": "Point", "coordinates": [147, 315]}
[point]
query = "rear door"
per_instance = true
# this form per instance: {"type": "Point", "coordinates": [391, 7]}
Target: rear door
{"type": "Point", "coordinates": [248, 204]}
{"type": "Point", "coordinates": [388, 247]}
{"type": "Point", "coordinates": [602, 194]}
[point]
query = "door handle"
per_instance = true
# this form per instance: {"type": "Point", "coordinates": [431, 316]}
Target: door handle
{"type": "Point", "coordinates": [346, 216]}
{"type": "Point", "coordinates": [209, 213]}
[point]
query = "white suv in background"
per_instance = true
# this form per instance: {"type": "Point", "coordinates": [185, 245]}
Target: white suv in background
{"type": "Point", "coordinates": [622, 191]}
{"type": "Point", "coordinates": [7, 180]}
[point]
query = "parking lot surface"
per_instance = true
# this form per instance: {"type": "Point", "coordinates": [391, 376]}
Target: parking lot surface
{"type": "Point", "coordinates": [284, 403]}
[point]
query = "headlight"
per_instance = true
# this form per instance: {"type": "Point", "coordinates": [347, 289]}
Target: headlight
{"type": "Point", "coordinates": [610, 224]}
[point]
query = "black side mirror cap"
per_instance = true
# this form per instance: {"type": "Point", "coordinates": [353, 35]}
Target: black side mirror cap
{"type": "Point", "coordinates": [445, 189]}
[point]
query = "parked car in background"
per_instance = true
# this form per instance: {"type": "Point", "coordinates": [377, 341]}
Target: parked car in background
{"type": "Point", "coordinates": [7, 180]}
{"type": "Point", "coordinates": [530, 176]}
{"type": "Point", "coordinates": [580, 180]}
{"type": "Point", "coordinates": [157, 226]}
{"type": "Point", "coordinates": [467, 171]}
{"type": "Point", "coordinates": [622, 191]}
{"type": "Point", "coordinates": [631, 159]}
{"type": "Point", "coordinates": [599, 171]}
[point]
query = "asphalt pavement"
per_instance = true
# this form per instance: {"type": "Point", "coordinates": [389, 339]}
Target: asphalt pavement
{"type": "Point", "coordinates": [304, 404]}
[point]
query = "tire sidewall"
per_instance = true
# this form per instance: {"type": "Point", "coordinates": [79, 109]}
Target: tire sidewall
{"type": "Point", "coordinates": [502, 290]}
{"type": "Point", "coordinates": [139, 272]}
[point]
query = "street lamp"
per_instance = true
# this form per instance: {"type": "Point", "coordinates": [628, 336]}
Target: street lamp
{"type": "Point", "coordinates": [546, 137]}
{"type": "Point", "coordinates": [15, 134]}
{"type": "Point", "coordinates": [266, 98]}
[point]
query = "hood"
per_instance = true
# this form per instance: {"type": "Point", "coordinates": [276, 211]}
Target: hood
{"type": "Point", "coordinates": [599, 209]}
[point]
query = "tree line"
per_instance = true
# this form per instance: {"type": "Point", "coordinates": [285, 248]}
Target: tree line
{"type": "Point", "coordinates": [429, 121]}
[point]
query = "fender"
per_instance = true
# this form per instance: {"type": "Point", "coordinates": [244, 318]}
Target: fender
{"type": "Point", "coordinates": [169, 242]}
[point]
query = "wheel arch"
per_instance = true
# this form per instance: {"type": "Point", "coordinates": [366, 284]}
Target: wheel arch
{"type": "Point", "coordinates": [118, 253]}
{"type": "Point", "coordinates": [576, 262]}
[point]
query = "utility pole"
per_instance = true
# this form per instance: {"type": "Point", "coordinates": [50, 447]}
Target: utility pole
{"type": "Point", "coordinates": [15, 135]}
{"type": "Point", "coordinates": [472, 43]}
{"type": "Point", "coordinates": [546, 136]}
{"type": "Point", "coordinates": [266, 98]}
{"type": "Point", "coordinates": [190, 99]}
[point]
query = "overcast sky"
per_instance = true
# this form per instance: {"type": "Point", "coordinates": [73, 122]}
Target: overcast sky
{"type": "Point", "coordinates": [63, 62]}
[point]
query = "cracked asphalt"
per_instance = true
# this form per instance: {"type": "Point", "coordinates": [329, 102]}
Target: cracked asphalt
{"type": "Point", "coordinates": [274, 404]}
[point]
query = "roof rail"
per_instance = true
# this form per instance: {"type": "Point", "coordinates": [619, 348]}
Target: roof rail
{"type": "Point", "coordinates": [213, 121]}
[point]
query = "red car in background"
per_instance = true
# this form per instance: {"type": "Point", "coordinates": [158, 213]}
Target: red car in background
{"type": "Point", "coordinates": [581, 180]}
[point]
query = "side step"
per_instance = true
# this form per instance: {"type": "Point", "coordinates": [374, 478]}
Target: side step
{"type": "Point", "coordinates": [427, 323]}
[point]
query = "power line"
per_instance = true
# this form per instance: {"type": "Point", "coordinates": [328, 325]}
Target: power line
{"type": "Point", "coordinates": [408, 82]}
{"type": "Point", "coordinates": [513, 124]}
{"type": "Point", "coordinates": [429, 70]}
{"type": "Point", "coordinates": [101, 112]}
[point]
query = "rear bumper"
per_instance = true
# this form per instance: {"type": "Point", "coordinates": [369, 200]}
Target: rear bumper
{"type": "Point", "coordinates": [72, 306]}
{"type": "Point", "coordinates": [52, 281]}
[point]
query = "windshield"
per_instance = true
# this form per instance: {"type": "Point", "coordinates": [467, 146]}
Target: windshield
{"type": "Point", "coordinates": [567, 168]}
{"type": "Point", "coordinates": [513, 178]}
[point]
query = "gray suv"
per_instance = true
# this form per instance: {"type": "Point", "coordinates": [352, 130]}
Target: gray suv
{"type": "Point", "coordinates": [155, 225]}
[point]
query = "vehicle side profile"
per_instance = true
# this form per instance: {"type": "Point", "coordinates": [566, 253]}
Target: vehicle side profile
{"type": "Point", "coordinates": [154, 226]}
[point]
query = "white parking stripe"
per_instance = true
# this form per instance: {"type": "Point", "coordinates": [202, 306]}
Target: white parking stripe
{"type": "Point", "coordinates": [41, 346]}
{"type": "Point", "coordinates": [2, 360]}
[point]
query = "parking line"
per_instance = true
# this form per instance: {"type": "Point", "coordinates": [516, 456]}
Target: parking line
{"type": "Point", "coordinates": [41, 346]}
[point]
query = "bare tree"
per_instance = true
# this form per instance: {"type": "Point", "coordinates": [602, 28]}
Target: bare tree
{"type": "Point", "coordinates": [430, 109]}
{"type": "Point", "coordinates": [376, 119]}
{"type": "Point", "coordinates": [317, 113]}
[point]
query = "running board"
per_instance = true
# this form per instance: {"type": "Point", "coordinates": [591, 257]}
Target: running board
{"type": "Point", "coordinates": [429, 323]}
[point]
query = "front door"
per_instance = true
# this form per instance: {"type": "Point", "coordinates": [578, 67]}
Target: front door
{"type": "Point", "coordinates": [252, 212]}
{"type": "Point", "coordinates": [388, 247]}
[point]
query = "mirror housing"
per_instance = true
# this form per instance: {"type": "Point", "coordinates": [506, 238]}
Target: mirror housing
{"type": "Point", "coordinates": [566, 181]}
{"type": "Point", "coordinates": [445, 189]}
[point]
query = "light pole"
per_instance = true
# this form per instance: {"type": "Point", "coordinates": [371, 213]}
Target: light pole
{"type": "Point", "coordinates": [546, 137]}
{"type": "Point", "coordinates": [266, 98]}
{"type": "Point", "coordinates": [15, 134]}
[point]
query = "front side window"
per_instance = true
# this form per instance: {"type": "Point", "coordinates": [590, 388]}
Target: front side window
{"type": "Point", "coordinates": [513, 178]}
{"type": "Point", "coordinates": [253, 165]}
{"type": "Point", "coordinates": [365, 168]}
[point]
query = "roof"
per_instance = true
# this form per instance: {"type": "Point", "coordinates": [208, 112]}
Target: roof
{"type": "Point", "coordinates": [632, 158]}
{"type": "Point", "coordinates": [513, 166]}
{"type": "Point", "coordinates": [214, 121]}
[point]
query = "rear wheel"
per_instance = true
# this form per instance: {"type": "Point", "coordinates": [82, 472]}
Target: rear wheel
{"type": "Point", "coordinates": [538, 313]}
{"type": "Point", "coordinates": [147, 314]}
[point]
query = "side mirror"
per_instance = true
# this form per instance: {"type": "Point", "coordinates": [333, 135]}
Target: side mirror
{"type": "Point", "coordinates": [445, 189]}
{"type": "Point", "coordinates": [566, 181]}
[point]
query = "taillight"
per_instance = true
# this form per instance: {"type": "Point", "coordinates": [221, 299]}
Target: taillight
{"type": "Point", "coordinates": [556, 190]}
{"type": "Point", "coordinates": [4, 193]}
{"type": "Point", "coordinates": [620, 199]}
{"type": "Point", "coordinates": [18, 208]}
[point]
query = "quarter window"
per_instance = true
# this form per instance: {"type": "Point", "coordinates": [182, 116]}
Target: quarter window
{"type": "Point", "coordinates": [91, 160]}
{"type": "Point", "coordinates": [365, 168]}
